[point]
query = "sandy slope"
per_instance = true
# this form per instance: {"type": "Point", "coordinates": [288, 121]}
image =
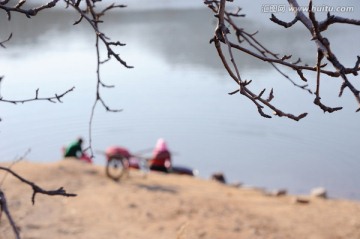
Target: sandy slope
{"type": "Point", "coordinates": [163, 207]}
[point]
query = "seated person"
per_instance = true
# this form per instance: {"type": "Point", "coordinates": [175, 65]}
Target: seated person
{"type": "Point", "coordinates": [161, 159]}
{"type": "Point", "coordinates": [74, 149]}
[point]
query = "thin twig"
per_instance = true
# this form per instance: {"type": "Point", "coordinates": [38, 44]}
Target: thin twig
{"type": "Point", "coordinates": [4, 208]}
{"type": "Point", "coordinates": [8, 39]}
{"type": "Point", "coordinates": [52, 99]}
{"type": "Point", "coordinates": [15, 161]}
{"type": "Point", "coordinates": [27, 12]}
{"type": "Point", "coordinates": [36, 189]}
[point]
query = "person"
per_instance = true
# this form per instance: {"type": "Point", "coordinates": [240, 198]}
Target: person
{"type": "Point", "coordinates": [74, 149]}
{"type": "Point", "coordinates": [161, 158]}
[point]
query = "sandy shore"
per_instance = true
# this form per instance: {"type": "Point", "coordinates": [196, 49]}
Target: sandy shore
{"type": "Point", "coordinates": [163, 207]}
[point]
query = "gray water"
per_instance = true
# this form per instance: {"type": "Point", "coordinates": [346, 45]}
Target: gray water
{"type": "Point", "coordinates": [178, 91]}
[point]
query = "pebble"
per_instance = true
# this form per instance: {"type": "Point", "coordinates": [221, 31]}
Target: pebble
{"type": "Point", "coordinates": [278, 192]}
{"type": "Point", "coordinates": [301, 200]}
{"type": "Point", "coordinates": [220, 177]}
{"type": "Point", "coordinates": [319, 193]}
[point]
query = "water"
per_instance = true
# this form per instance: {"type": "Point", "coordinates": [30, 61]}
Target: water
{"type": "Point", "coordinates": [178, 91]}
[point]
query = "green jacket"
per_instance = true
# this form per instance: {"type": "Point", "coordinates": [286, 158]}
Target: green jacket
{"type": "Point", "coordinates": [74, 150]}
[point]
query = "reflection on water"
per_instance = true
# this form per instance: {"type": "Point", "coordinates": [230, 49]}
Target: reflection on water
{"type": "Point", "coordinates": [177, 90]}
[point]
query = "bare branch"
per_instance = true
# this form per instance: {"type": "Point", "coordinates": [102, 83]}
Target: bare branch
{"type": "Point", "coordinates": [261, 93]}
{"type": "Point", "coordinates": [79, 20]}
{"type": "Point", "coordinates": [282, 23]}
{"type": "Point", "coordinates": [8, 39]}
{"type": "Point", "coordinates": [356, 67]}
{"type": "Point", "coordinates": [271, 95]}
{"type": "Point", "coordinates": [37, 98]}
{"type": "Point", "coordinates": [87, 13]}
{"type": "Point", "coordinates": [3, 2]}
{"type": "Point", "coordinates": [260, 48]}
{"type": "Point", "coordinates": [301, 75]}
{"type": "Point", "coordinates": [221, 32]}
{"type": "Point", "coordinates": [331, 19]}
{"type": "Point", "coordinates": [4, 208]}
{"type": "Point", "coordinates": [20, 3]}
{"type": "Point", "coordinates": [27, 12]}
{"type": "Point", "coordinates": [93, 19]}
{"type": "Point", "coordinates": [236, 13]}
{"type": "Point", "coordinates": [110, 7]}
{"type": "Point", "coordinates": [324, 107]}
{"type": "Point", "coordinates": [257, 50]}
{"type": "Point", "coordinates": [36, 189]}
{"type": "Point", "coordinates": [15, 161]}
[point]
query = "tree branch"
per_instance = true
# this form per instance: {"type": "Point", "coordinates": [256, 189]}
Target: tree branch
{"type": "Point", "coordinates": [36, 189]}
{"type": "Point", "coordinates": [221, 32]}
{"type": "Point", "coordinates": [257, 50]}
{"type": "Point", "coordinates": [8, 39]}
{"type": "Point", "coordinates": [27, 12]}
{"type": "Point", "coordinates": [53, 99]}
{"type": "Point", "coordinates": [92, 17]}
{"type": "Point", "coordinates": [331, 19]}
{"type": "Point", "coordinates": [282, 23]}
{"type": "Point", "coordinates": [4, 208]}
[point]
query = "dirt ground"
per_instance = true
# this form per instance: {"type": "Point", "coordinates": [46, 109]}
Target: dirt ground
{"type": "Point", "coordinates": [163, 207]}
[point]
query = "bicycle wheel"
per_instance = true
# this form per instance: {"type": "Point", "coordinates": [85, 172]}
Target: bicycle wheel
{"type": "Point", "coordinates": [116, 168]}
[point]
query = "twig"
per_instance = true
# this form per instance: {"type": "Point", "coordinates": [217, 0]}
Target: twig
{"type": "Point", "coordinates": [331, 19]}
{"type": "Point", "coordinates": [8, 39]}
{"type": "Point", "coordinates": [93, 20]}
{"type": "Point", "coordinates": [53, 99]}
{"type": "Point", "coordinates": [27, 12]}
{"type": "Point", "coordinates": [4, 208]}
{"type": "Point", "coordinates": [13, 163]}
{"type": "Point", "coordinates": [282, 23]}
{"type": "Point", "coordinates": [36, 189]}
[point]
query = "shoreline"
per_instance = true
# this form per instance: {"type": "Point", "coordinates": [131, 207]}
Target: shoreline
{"type": "Point", "coordinates": [163, 206]}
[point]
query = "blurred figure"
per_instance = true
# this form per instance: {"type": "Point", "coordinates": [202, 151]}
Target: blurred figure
{"type": "Point", "coordinates": [161, 159]}
{"type": "Point", "coordinates": [75, 150]}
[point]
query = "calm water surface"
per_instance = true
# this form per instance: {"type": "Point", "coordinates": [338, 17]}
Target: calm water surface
{"type": "Point", "coordinates": [178, 91]}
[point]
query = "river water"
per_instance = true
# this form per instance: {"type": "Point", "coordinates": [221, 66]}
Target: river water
{"type": "Point", "coordinates": [178, 90]}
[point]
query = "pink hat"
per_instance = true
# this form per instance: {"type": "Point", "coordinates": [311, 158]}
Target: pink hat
{"type": "Point", "coordinates": [160, 146]}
